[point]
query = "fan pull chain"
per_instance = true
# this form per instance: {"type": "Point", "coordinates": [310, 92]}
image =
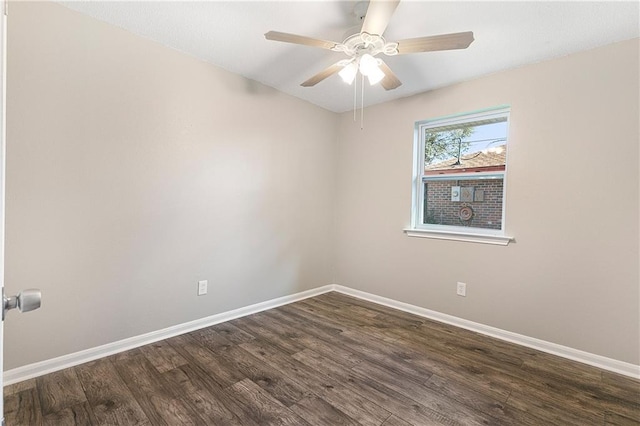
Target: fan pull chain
{"type": "Point", "coordinates": [355, 100]}
{"type": "Point", "coordinates": [362, 107]}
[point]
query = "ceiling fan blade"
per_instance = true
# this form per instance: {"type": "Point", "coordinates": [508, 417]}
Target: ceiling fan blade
{"type": "Point", "coordinates": [378, 16]}
{"type": "Point", "coordinates": [298, 39]}
{"type": "Point", "coordinates": [433, 43]}
{"type": "Point", "coordinates": [390, 81]}
{"type": "Point", "coordinates": [325, 73]}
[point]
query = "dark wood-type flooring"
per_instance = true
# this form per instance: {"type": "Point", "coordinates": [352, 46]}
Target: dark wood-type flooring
{"type": "Point", "coordinates": [329, 360]}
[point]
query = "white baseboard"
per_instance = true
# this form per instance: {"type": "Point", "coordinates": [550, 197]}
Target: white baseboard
{"type": "Point", "coordinates": [599, 361]}
{"type": "Point", "coordinates": [49, 366]}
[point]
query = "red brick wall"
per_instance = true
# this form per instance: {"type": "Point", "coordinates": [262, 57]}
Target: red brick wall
{"type": "Point", "coordinates": [439, 209]}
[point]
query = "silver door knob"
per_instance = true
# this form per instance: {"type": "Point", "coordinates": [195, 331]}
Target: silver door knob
{"type": "Point", "coordinates": [25, 301]}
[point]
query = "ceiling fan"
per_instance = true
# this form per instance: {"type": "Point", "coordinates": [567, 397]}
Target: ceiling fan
{"type": "Point", "coordinates": [362, 48]}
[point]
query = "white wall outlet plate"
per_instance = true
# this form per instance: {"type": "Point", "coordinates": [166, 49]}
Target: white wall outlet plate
{"type": "Point", "coordinates": [461, 289]}
{"type": "Point", "coordinates": [202, 287]}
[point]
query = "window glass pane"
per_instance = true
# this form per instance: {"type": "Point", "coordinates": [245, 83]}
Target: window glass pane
{"type": "Point", "coordinates": [478, 146]}
{"type": "Point", "coordinates": [461, 172]}
{"type": "Point", "coordinates": [472, 202]}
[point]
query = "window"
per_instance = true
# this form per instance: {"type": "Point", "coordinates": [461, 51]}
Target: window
{"type": "Point", "coordinates": [459, 177]}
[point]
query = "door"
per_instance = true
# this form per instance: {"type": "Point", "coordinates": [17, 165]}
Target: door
{"type": "Point", "coordinates": [26, 300]}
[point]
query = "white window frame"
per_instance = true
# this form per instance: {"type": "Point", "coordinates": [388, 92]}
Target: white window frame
{"type": "Point", "coordinates": [449, 232]}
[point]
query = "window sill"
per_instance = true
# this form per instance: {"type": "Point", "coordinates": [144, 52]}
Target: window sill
{"type": "Point", "coordinates": [500, 240]}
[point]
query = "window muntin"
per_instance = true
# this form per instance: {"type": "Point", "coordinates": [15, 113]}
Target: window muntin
{"type": "Point", "coordinates": [459, 183]}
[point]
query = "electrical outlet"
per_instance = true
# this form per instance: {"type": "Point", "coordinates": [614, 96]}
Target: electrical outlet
{"type": "Point", "coordinates": [461, 289]}
{"type": "Point", "coordinates": [202, 287]}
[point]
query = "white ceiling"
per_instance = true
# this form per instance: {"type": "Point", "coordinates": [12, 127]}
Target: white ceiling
{"type": "Point", "coordinates": [507, 35]}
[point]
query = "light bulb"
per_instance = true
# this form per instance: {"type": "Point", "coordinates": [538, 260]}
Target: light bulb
{"type": "Point", "coordinates": [348, 73]}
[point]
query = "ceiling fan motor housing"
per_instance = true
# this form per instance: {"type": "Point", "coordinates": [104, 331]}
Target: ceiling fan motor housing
{"type": "Point", "coordinates": [361, 43]}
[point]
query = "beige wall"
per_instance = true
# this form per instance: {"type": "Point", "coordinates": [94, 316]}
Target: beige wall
{"type": "Point", "coordinates": [134, 171]}
{"type": "Point", "coordinates": [572, 205]}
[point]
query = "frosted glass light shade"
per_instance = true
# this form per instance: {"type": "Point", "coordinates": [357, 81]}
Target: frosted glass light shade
{"type": "Point", "coordinates": [348, 73]}
{"type": "Point", "coordinates": [375, 75]}
{"type": "Point", "coordinates": [367, 64]}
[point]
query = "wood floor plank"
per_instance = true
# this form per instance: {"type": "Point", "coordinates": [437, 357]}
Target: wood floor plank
{"type": "Point", "coordinates": [162, 356]}
{"type": "Point", "coordinates": [485, 377]}
{"type": "Point", "coordinates": [23, 408]}
{"type": "Point", "coordinates": [398, 404]}
{"type": "Point", "coordinates": [554, 376]}
{"type": "Point", "coordinates": [395, 421]}
{"type": "Point", "coordinates": [480, 377]}
{"type": "Point", "coordinates": [19, 387]}
{"type": "Point", "coordinates": [613, 419]}
{"type": "Point", "coordinates": [431, 327]}
{"type": "Point", "coordinates": [208, 404]}
{"type": "Point", "coordinates": [620, 394]}
{"type": "Point", "coordinates": [211, 339]}
{"type": "Point", "coordinates": [200, 378]}
{"type": "Point", "coordinates": [584, 373]}
{"type": "Point", "coordinates": [278, 322]}
{"type": "Point", "coordinates": [428, 326]}
{"type": "Point", "coordinates": [375, 350]}
{"type": "Point", "coordinates": [623, 383]}
{"type": "Point", "coordinates": [367, 315]}
{"type": "Point", "coordinates": [385, 354]}
{"type": "Point", "coordinates": [271, 380]}
{"type": "Point", "coordinates": [481, 402]}
{"type": "Point", "coordinates": [590, 397]}
{"type": "Point", "coordinates": [556, 366]}
{"type": "Point", "coordinates": [390, 325]}
{"type": "Point", "coordinates": [318, 412]}
{"type": "Point", "coordinates": [195, 353]}
{"type": "Point", "coordinates": [333, 391]}
{"type": "Point", "coordinates": [374, 308]}
{"type": "Point", "coordinates": [311, 324]}
{"type": "Point", "coordinates": [317, 324]}
{"type": "Point", "coordinates": [59, 390]}
{"type": "Point", "coordinates": [335, 316]}
{"type": "Point", "coordinates": [159, 401]}
{"type": "Point", "coordinates": [251, 326]}
{"type": "Point", "coordinates": [232, 333]}
{"type": "Point", "coordinates": [110, 399]}
{"type": "Point", "coordinates": [261, 407]}
{"type": "Point", "coordinates": [325, 308]}
{"type": "Point", "coordinates": [428, 397]}
{"type": "Point", "coordinates": [553, 410]}
{"type": "Point", "coordinates": [77, 415]}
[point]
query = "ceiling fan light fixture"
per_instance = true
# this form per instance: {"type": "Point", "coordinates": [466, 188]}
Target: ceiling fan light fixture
{"type": "Point", "coordinates": [368, 64]}
{"type": "Point", "coordinates": [370, 67]}
{"type": "Point", "coordinates": [375, 76]}
{"type": "Point", "coordinates": [348, 73]}
{"type": "Point", "coordinates": [363, 43]}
